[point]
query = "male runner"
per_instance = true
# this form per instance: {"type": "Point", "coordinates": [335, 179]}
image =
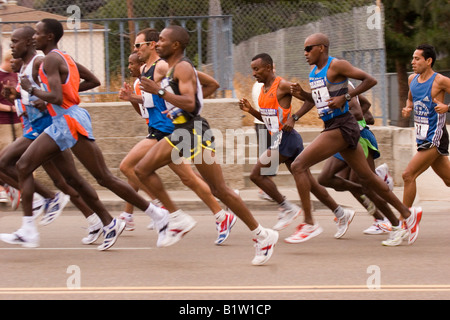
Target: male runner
{"type": "Point", "coordinates": [37, 121]}
{"type": "Point", "coordinates": [275, 110]}
{"type": "Point", "coordinates": [159, 126]}
{"type": "Point", "coordinates": [329, 84]}
{"type": "Point", "coordinates": [71, 128]}
{"type": "Point", "coordinates": [426, 95]}
{"type": "Point", "coordinates": [181, 90]}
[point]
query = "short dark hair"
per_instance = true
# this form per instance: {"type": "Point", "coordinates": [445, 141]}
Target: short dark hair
{"type": "Point", "coordinates": [265, 58]}
{"type": "Point", "coordinates": [53, 26]}
{"type": "Point", "coordinates": [428, 51]}
{"type": "Point", "coordinates": [150, 34]}
{"type": "Point", "coordinates": [179, 34]}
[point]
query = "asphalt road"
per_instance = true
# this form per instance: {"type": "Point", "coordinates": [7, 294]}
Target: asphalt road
{"type": "Point", "coordinates": [355, 267]}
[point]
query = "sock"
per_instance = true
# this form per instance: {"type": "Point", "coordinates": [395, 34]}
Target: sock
{"type": "Point", "coordinates": [94, 220]}
{"type": "Point", "coordinates": [220, 216]}
{"type": "Point", "coordinates": [259, 232]}
{"type": "Point", "coordinates": [126, 215]}
{"type": "Point", "coordinates": [154, 212]}
{"type": "Point", "coordinates": [339, 212]}
{"type": "Point", "coordinates": [28, 224]}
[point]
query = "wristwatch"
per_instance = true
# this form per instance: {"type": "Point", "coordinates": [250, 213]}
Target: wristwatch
{"type": "Point", "coordinates": [295, 117]}
{"type": "Point", "coordinates": [348, 97]}
{"type": "Point", "coordinates": [161, 92]}
{"type": "Point", "coordinates": [448, 108]}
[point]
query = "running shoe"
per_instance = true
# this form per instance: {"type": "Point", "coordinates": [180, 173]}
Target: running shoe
{"type": "Point", "coordinates": [264, 247]}
{"type": "Point", "coordinates": [111, 233]}
{"type": "Point", "coordinates": [39, 205]}
{"type": "Point", "coordinates": [179, 224]}
{"type": "Point", "coordinates": [264, 196]}
{"type": "Point", "coordinates": [379, 227]}
{"type": "Point", "coordinates": [14, 196]}
{"type": "Point", "coordinates": [288, 212]}
{"type": "Point", "coordinates": [343, 223]}
{"type": "Point", "coordinates": [369, 205]}
{"type": "Point", "coordinates": [396, 236]}
{"type": "Point", "coordinates": [3, 196]}
{"type": "Point", "coordinates": [412, 223]}
{"type": "Point", "coordinates": [224, 228]}
{"type": "Point", "coordinates": [383, 172]}
{"type": "Point", "coordinates": [304, 232]}
{"type": "Point", "coordinates": [162, 226]}
{"type": "Point", "coordinates": [22, 237]}
{"type": "Point", "coordinates": [93, 235]}
{"type": "Point", "coordinates": [128, 218]}
{"type": "Point", "coordinates": [54, 208]}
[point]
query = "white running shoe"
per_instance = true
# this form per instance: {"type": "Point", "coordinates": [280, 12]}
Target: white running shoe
{"type": "Point", "coordinates": [304, 232]}
{"type": "Point", "coordinates": [396, 236]}
{"type": "Point", "coordinates": [383, 172]}
{"type": "Point", "coordinates": [264, 247]}
{"type": "Point", "coordinates": [54, 208]}
{"type": "Point", "coordinates": [224, 228]}
{"type": "Point", "coordinates": [412, 223]}
{"type": "Point", "coordinates": [379, 227]}
{"type": "Point", "coordinates": [161, 227]}
{"type": "Point", "coordinates": [343, 223]}
{"type": "Point", "coordinates": [288, 212]}
{"type": "Point", "coordinates": [14, 196]}
{"type": "Point", "coordinates": [179, 224]}
{"type": "Point", "coordinates": [3, 196]}
{"type": "Point", "coordinates": [264, 196]}
{"type": "Point", "coordinates": [128, 218]}
{"type": "Point", "coordinates": [111, 233]}
{"type": "Point", "coordinates": [22, 237]}
{"type": "Point", "coordinates": [39, 205]}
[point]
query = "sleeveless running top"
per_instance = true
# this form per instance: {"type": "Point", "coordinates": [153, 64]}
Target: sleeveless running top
{"type": "Point", "coordinates": [322, 90]}
{"type": "Point", "coordinates": [155, 105]}
{"type": "Point", "coordinates": [273, 114]}
{"type": "Point", "coordinates": [137, 90]}
{"type": "Point", "coordinates": [27, 100]}
{"type": "Point", "coordinates": [69, 87]}
{"type": "Point", "coordinates": [429, 124]}
{"type": "Point", "coordinates": [180, 116]}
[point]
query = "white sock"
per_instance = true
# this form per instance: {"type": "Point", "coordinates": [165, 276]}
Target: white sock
{"type": "Point", "coordinates": [220, 216]}
{"type": "Point", "coordinates": [154, 212]}
{"type": "Point", "coordinates": [93, 220]}
{"type": "Point", "coordinates": [339, 212]}
{"type": "Point", "coordinates": [259, 232]}
{"type": "Point", "coordinates": [28, 224]}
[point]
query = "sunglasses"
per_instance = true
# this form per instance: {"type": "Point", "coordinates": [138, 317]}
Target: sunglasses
{"type": "Point", "coordinates": [309, 48]}
{"type": "Point", "coordinates": [138, 45]}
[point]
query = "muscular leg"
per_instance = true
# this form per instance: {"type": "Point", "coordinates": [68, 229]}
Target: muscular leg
{"type": "Point", "coordinates": [196, 184]}
{"type": "Point", "coordinates": [265, 183]}
{"type": "Point", "coordinates": [212, 173]}
{"type": "Point", "coordinates": [421, 161]}
{"type": "Point", "coordinates": [324, 146]}
{"type": "Point", "coordinates": [91, 157]}
{"type": "Point", "coordinates": [58, 179]}
{"type": "Point", "coordinates": [130, 161]}
{"type": "Point", "coordinates": [159, 156]}
{"type": "Point", "coordinates": [356, 160]}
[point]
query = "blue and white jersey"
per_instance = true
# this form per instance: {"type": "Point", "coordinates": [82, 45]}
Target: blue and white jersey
{"type": "Point", "coordinates": [322, 90]}
{"type": "Point", "coordinates": [430, 125]}
{"type": "Point", "coordinates": [27, 99]}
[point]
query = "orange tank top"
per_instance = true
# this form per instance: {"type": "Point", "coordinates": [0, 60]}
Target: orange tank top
{"type": "Point", "coordinates": [69, 88]}
{"type": "Point", "coordinates": [273, 114]}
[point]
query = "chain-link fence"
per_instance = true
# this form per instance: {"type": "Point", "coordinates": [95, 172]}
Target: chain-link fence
{"type": "Point", "coordinates": [225, 35]}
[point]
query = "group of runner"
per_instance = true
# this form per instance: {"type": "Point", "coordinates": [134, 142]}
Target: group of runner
{"type": "Point", "coordinates": [169, 93]}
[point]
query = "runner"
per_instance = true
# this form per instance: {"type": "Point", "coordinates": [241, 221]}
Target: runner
{"type": "Point", "coordinates": [426, 95]}
{"type": "Point", "coordinates": [329, 84]}
{"type": "Point", "coordinates": [181, 90]}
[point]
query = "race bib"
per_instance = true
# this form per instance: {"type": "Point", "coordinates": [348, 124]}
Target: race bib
{"type": "Point", "coordinates": [270, 119]}
{"type": "Point", "coordinates": [422, 126]}
{"type": "Point", "coordinates": [320, 95]}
